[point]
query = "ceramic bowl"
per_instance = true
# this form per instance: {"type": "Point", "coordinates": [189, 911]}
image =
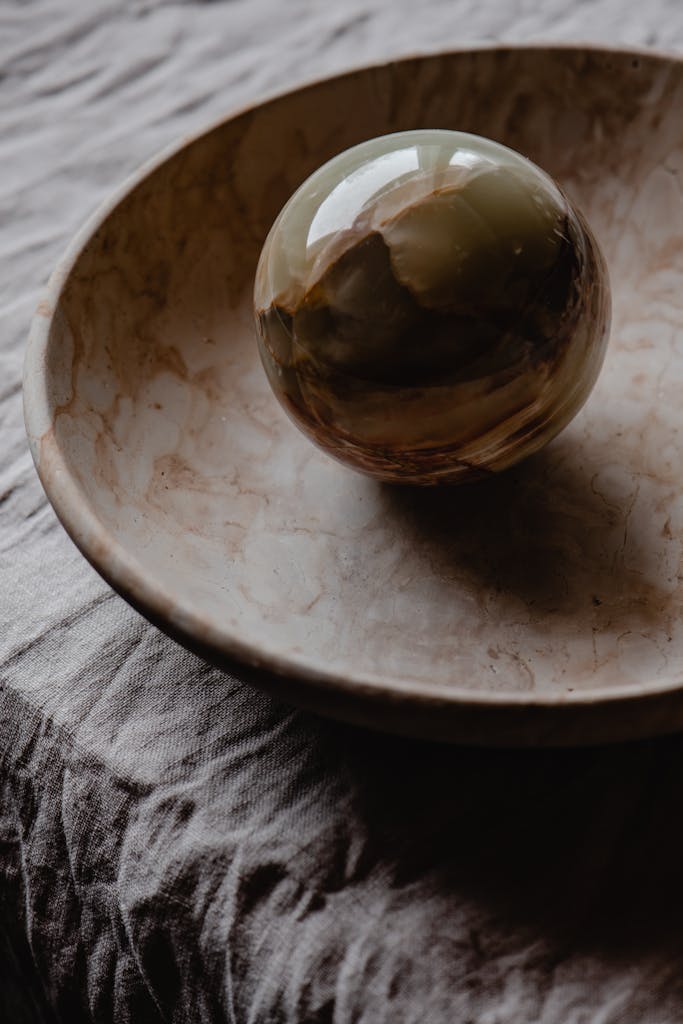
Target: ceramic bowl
{"type": "Point", "coordinates": [542, 606]}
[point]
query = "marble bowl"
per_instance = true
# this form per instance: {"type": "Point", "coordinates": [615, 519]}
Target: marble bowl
{"type": "Point", "coordinates": [542, 606]}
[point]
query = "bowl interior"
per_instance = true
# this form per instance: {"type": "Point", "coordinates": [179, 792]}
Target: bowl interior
{"type": "Point", "coordinates": [175, 469]}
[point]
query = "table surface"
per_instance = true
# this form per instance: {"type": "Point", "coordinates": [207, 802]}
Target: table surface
{"type": "Point", "coordinates": [173, 844]}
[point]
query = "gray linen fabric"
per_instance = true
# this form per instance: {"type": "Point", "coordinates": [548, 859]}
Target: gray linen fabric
{"type": "Point", "coordinates": [176, 846]}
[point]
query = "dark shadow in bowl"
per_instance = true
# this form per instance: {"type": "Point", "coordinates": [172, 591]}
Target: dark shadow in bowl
{"type": "Point", "coordinates": [542, 532]}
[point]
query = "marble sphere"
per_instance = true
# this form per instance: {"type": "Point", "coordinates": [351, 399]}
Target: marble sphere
{"type": "Point", "coordinates": [431, 307]}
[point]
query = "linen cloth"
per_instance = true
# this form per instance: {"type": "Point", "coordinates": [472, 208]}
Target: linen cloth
{"type": "Point", "coordinates": [175, 846]}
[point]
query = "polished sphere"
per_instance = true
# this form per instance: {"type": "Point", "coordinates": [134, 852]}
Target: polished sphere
{"type": "Point", "coordinates": [430, 307]}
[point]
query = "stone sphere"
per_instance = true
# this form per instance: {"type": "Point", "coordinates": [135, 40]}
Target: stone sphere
{"type": "Point", "coordinates": [431, 307]}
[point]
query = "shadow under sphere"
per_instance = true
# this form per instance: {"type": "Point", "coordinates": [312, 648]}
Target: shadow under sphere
{"type": "Point", "coordinates": [542, 532]}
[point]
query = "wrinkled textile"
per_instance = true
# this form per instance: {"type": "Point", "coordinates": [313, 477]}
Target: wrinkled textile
{"type": "Point", "coordinates": [175, 846]}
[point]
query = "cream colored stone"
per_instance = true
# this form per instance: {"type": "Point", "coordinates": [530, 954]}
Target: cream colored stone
{"type": "Point", "coordinates": [542, 606]}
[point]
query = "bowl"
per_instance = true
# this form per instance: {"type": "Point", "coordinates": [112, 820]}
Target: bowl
{"type": "Point", "coordinates": [543, 606]}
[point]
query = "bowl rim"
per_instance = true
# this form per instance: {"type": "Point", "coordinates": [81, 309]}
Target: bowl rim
{"type": "Point", "coordinates": [127, 575]}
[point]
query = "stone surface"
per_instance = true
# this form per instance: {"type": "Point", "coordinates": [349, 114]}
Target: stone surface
{"type": "Point", "coordinates": [544, 592]}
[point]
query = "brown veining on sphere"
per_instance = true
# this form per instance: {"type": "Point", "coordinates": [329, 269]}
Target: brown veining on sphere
{"type": "Point", "coordinates": [402, 382]}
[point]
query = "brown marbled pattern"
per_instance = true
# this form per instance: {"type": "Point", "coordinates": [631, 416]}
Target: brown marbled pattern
{"type": "Point", "coordinates": [438, 384]}
{"type": "Point", "coordinates": [545, 605]}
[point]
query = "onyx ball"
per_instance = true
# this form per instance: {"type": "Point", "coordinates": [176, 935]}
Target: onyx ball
{"type": "Point", "coordinates": [431, 307]}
